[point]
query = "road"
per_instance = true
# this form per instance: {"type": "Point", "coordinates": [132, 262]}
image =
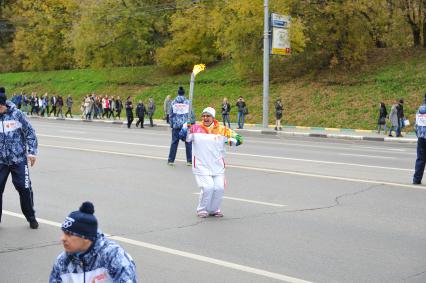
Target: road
{"type": "Point", "coordinates": [296, 209]}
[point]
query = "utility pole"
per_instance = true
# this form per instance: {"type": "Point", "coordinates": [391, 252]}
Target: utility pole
{"type": "Point", "coordinates": [266, 66]}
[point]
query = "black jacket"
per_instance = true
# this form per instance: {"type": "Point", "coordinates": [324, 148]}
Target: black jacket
{"type": "Point", "coordinates": [226, 108]}
{"type": "Point", "coordinates": [140, 110]}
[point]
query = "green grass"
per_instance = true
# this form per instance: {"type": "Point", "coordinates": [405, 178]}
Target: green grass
{"type": "Point", "coordinates": [331, 98]}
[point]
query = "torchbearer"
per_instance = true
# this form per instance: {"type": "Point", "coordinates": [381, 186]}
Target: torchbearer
{"type": "Point", "coordinates": [208, 164]}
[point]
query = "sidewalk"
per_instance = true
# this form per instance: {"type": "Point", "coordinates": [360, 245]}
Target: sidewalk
{"type": "Point", "coordinates": [256, 129]}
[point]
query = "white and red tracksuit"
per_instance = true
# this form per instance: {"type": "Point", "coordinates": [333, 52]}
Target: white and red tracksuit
{"type": "Point", "coordinates": [208, 163]}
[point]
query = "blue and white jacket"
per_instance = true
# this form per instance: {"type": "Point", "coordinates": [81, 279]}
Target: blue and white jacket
{"type": "Point", "coordinates": [179, 112]}
{"type": "Point", "coordinates": [105, 261]}
{"type": "Point", "coordinates": [17, 136]}
{"type": "Point", "coordinates": [420, 126]}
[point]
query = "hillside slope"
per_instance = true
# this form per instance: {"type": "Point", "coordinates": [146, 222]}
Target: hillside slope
{"type": "Point", "coordinates": [329, 98]}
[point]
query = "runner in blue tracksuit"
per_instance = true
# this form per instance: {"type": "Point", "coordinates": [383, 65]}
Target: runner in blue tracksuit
{"type": "Point", "coordinates": [420, 128]}
{"type": "Point", "coordinates": [18, 145]}
{"type": "Point", "coordinates": [179, 115]}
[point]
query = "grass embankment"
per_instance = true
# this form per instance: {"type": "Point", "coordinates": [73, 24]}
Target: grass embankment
{"type": "Point", "coordinates": [331, 98]}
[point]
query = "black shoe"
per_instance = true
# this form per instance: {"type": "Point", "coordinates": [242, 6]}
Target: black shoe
{"type": "Point", "coordinates": [34, 224]}
{"type": "Point", "coordinates": [417, 183]}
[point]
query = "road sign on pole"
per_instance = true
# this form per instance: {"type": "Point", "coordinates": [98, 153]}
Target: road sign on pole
{"type": "Point", "coordinates": [280, 37]}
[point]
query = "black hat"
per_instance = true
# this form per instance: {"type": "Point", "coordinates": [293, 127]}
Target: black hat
{"type": "Point", "coordinates": [181, 91]}
{"type": "Point", "coordinates": [2, 96]}
{"type": "Point", "coordinates": [82, 223]}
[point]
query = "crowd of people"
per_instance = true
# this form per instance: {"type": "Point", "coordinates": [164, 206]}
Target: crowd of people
{"type": "Point", "coordinates": [43, 105]}
{"type": "Point", "coordinates": [94, 106]}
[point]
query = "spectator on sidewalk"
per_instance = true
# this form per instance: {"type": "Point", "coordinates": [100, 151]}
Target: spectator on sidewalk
{"type": "Point", "coordinates": [53, 103]}
{"type": "Point", "coordinates": [140, 113]}
{"type": "Point", "coordinates": [44, 102]}
{"type": "Point", "coordinates": [383, 113]}
{"type": "Point", "coordinates": [420, 128]}
{"type": "Point", "coordinates": [69, 106]}
{"type": "Point", "coordinates": [60, 104]}
{"type": "Point", "coordinates": [400, 115]}
{"type": "Point", "coordinates": [279, 108]}
{"type": "Point", "coordinates": [88, 255]}
{"type": "Point", "coordinates": [242, 111]}
{"type": "Point", "coordinates": [226, 109]}
{"type": "Point", "coordinates": [129, 112]}
{"type": "Point", "coordinates": [179, 114]}
{"type": "Point", "coordinates": [151, 111]}
{"type": "Point", "coordinates": [393, 118]}
{"type": "Point", "coordinates": [19, 147]}
{"type": "Point", "coordinates": [118, 107]}
{"type": "Point", "coordinates": [166, 108]}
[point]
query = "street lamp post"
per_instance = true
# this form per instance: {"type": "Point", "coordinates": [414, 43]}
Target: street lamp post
{"type": "Point", "coordinates": [266, 66]}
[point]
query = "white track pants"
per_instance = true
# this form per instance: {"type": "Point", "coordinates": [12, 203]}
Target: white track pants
{"type": "Point", "coordinates": [212, 189]}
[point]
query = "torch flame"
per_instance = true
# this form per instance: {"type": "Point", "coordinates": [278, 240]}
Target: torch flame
{"type": "Point", "coordinates": [198, 68]}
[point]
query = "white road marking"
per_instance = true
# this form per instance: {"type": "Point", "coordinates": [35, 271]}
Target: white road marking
{"type": "Point", "coordinates": [72, 132]}
{"type": "Point", "coordinates": [321, 161]}
{"type": "Point", "coordinates": [238, 154]}
{"type": "Point", "coordinates": [252, 201]}
{"type": "Point", "coordinates": [248, 168]}
{"type": "Point", "coordinates": [345, 146]}
{"type": "Point", "coordinates": [210, 260]}
{"type": "Point", "coordinates": [368, 156]}
{"type": "Point", "coordinates": [104, 141]}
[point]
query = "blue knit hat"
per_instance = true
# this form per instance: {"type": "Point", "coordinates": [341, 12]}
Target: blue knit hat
{"type": "Point", "coordinates": [2, 96]}
{"type": "Point", "coordinates": [181, 91]}
{"type": "Point", "coordinates": [82, 223]}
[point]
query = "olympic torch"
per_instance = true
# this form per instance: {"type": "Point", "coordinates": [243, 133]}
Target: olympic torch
{"type": "Point", "coordinates": [197, 69]}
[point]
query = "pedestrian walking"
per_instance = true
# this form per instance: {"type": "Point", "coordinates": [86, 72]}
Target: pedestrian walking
{"type": "Point", "coordinates": [118, 107]}
{"type": "Point", "coordinates": [226, 109]}
{"type": "Point", "coordinates": [53, 103]}
{"type": "Point", "coordinates": [179, 114]}
{"type": "Point", "coordinates": [18, 148]}
{"type": "Point", "coordinates": [279, 108]}
{"type": "Point", "coordinates": [151, 111]}
{"type": "Point", "coordinates": [140, 113]}
{"type": "Point", "coordinates": [88, 255]}
{"type": "Point", "coordinates": [111, 107]}
{"type": "Point", "coordinates": [166, 108]}
{"type": "Point", "coordinates": [129, 112]}
{"type": "Point", "coordinates": [44, 103]}
{"type": "Point", "coordinates": [383, 113]}
{"type": "Point", "coordinates": [420, 129]}
{"type": "Point", "coordinates": [69, 103]}
{"type": "Point", "coordinates": [401, 118]}
{"type": "Point", "coordinates": [242, 111]}
{"type": "Point", "coordinates": [60, 104]}
{"type": "Point", "coordinates": [393, 118]}
{"type": "Point", "coordinates": [208, 141]}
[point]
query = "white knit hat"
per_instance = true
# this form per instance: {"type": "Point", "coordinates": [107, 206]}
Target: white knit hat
{"type": "Point", "coordinates": [210, 110]}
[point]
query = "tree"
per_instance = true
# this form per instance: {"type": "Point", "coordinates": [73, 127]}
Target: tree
{"type": "Point", "coordinates": [117, 33]}
{"type": "Point", "coordinates": [415, 15]}
{"type": "Point", "coordinates": [41, 28]}
{"type": "Point", "coordinates": [192, 39]}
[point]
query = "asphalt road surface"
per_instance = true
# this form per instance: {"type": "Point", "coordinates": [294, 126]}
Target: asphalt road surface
{"type": "Point", "coordinates": [296, 209]}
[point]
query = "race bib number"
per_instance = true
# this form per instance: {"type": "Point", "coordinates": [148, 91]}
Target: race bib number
{"type": "Point", "coordinates": [421, 120]}
{"type": "Point", "coordinates": [180, 108]}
